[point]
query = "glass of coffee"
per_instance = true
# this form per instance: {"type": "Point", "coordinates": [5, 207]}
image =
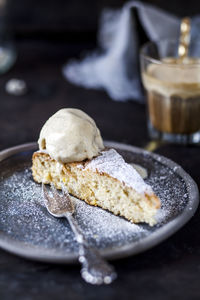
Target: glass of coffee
{"type": "Point", "coordinates": [173, 91]}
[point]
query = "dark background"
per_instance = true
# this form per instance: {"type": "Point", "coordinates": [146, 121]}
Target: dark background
{"type": "Point", "coordinates": [66, 20]}
{"type": "Point", "coordinates": [47, 33]}
{"type": "Point", "coordinates": [73, 23]}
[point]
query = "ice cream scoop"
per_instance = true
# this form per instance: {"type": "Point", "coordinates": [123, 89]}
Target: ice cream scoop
{"type": "Point", "coordinates": [70, 135]}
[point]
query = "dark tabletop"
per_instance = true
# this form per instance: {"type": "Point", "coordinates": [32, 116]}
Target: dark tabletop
{"type": "Point", "coordinates": [170, 270]}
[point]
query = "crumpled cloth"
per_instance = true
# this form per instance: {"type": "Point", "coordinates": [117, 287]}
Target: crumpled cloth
{"type": "Point", "coordinates": [115, 67]}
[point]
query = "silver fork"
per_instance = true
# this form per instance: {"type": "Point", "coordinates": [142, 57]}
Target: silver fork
{"type": "Point", "coordinates": [95, 269]}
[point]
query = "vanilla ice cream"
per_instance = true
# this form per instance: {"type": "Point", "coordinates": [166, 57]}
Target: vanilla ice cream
{"type": "Point", "coordinates": [70, 135]}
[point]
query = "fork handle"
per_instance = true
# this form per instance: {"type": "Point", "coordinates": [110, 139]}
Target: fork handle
{"type": "Point", "coordinates": [95, 269]}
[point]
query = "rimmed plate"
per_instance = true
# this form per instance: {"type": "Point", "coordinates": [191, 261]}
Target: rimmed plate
{"type": "Point", "coordinates": [26, 228]}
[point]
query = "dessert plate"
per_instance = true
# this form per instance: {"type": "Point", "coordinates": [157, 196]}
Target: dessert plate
{"type": "Point", "coordinates": [27, 229]}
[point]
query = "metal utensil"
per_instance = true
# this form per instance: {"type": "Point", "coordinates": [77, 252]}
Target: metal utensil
{"type": "Point", "coordinates": [95, 269]}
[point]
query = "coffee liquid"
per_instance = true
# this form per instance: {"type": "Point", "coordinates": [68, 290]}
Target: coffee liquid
{"type": "Point", "coordinates": [173, 95]}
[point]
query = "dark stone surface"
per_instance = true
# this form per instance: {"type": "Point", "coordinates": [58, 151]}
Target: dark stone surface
{"type": "Point", "coordinates": [168, 271]}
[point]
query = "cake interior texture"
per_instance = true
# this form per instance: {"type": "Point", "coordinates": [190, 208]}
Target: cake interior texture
{"type": "Point", "coordinates": [96, 188]}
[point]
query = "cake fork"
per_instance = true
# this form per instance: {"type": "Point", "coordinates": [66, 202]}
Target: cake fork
{"type": "Point", "coordinates": [95, 269]}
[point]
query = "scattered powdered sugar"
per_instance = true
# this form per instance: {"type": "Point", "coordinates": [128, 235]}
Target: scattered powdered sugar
{"type": "Point", "coordinates": [112, 163]}
{"type": "Point", "coordinates": [23, 214]}
{"type": "Point", "coordinates": [24, 218]}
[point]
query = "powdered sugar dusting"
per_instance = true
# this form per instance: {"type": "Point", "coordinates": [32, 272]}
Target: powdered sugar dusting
{"type": "Point", "coordinates": [112, 163]}
{"type": "Point", "coordinates": [24, 218]}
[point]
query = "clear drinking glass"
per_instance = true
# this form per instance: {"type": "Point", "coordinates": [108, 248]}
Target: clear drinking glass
{"type": "Point", "coordinates": [173, 91]}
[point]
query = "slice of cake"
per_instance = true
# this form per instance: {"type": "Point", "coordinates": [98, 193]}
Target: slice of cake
{"type": "Point", "coordinates": [105, 180]}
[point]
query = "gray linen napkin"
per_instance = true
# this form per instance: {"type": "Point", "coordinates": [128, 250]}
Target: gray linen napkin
{"type": "Point", "coordinates": [116, 67]}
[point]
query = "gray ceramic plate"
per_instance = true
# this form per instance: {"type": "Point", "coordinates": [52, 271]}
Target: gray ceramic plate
{"type": "Point", "coordinates": [26, 228]}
